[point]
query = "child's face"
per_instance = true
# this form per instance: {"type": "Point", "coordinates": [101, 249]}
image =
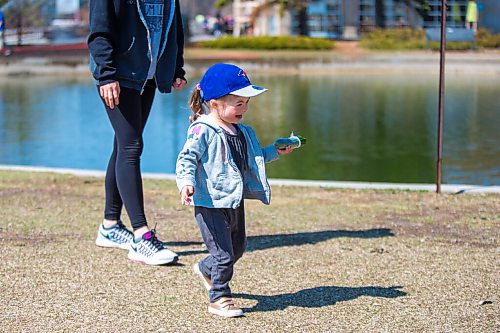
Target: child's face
{"type": "Point", "coordinates": [232, 108]}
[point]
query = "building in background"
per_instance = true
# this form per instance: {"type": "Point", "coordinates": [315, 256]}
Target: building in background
{"type": "Point", "coordinates": [243, 12]}
{"type": "Point", "coordinates": [336, 19]}
{"type": "Point", "coordinates": [66, 21]}
{"type": "Point", "coordinates": [489, 14]}
{"type": "Point", "coordinates": [269, 20]}
{"type": "Point", "coordinates": [488, 11]}
{"type": "Point", "coordinates": [350, 19]}
{"type": "Point", "coordinates": [455, 14]}
{"type": "Point", "coordinates": [67, 7]}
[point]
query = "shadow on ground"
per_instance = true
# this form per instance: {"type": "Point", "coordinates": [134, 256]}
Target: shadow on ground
{"type": "Point", "coordinates": [317, 297]}
{"type": "Point", "coordinates": [263, 242]}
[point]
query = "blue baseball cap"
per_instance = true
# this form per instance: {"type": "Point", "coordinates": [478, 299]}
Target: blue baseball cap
{"type": "Point", "coordinates": [224, 79]}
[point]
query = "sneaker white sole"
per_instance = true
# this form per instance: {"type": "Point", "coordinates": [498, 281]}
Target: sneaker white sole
{"type": "Point", "coordinates": [196, 270]}
{"type": "Point", "coordinates": [226, 314]}
{"type": "Point", "coordinates": [103, 242]}
{"type": "Point", "coordinates": [134, 256]}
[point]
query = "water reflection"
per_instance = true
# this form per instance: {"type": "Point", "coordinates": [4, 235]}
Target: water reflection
{"type": "Point", "coordinates": [362, 128]}
{"type": "Point", "coordinates": [383, 128]}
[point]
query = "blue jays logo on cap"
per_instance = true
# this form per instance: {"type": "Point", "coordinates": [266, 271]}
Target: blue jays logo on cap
{"type": "Point", "coordinates": [224, 79]}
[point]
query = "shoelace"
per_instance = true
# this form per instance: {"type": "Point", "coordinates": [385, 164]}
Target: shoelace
{"type": "Point", "coordinates": [120, 224]}
{"type": "Point", "coordinates": [157, 244]}
{"type": "Point", "coordinates": [122, 231]}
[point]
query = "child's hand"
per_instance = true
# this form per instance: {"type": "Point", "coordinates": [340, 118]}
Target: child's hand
{"type": "Point", "coordinates": [186, 193]}
{"type": "Point", "coordinates": [284, 151]}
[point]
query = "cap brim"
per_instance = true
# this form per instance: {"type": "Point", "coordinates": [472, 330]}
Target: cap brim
{"type": "Point", "coordinates": [249, 91]}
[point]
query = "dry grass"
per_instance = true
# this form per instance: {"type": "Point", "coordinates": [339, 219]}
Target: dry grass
{"type": "Point", "coordinates": [318, 261]}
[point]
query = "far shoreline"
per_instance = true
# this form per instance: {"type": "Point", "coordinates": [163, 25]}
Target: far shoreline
{"type": "Point", "coordinates": [345, 59]}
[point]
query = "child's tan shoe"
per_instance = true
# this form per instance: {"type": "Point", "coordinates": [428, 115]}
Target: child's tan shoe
{"type": "Point", "coordinates": [225, 307]}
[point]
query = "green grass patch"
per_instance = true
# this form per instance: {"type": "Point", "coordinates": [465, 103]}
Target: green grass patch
{"type": "Point", "coordinates": [269, 43]}
{"type": "Point", "coordinates": [394, 39]}
{"type": "Point", "coordinates": [407, 39]}
{"type": "Point", "coordinates": [487, 40]}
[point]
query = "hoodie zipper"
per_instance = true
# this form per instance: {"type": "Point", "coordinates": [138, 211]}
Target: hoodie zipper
{"type": "Point", "coordinates": [141, 15]}
{"type": "Point", "coordinates": [170, 19]}
{"type": "Point", "coordinates": [250, 146]}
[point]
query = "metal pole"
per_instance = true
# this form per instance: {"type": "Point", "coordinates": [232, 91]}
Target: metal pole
{"type": "Point", "coordinates": [441, 98]}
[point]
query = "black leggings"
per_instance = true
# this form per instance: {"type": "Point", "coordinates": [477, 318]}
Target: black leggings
{"type": "Point", "coordinates": [123, 182]}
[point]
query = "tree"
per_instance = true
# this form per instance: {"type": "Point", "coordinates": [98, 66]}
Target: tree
{"type": "Point", "coordinates": [23, 13]}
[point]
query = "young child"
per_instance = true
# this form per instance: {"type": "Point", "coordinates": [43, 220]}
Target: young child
{"type": "Point", "coordinates": [220, 165]}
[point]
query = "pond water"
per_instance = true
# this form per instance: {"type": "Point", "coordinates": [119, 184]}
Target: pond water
{"type": "Point", "coordinates": [377, 128]}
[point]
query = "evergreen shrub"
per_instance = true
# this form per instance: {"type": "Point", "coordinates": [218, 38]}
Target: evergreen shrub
{"type": "Point", "coordinates": [394, 39]}
{"type": "Point", "coordinates": [408, 39]}
{"type": "Point", "coordinates": [487, 40]}
{"type": "Point", "coordinates": [269, 43]}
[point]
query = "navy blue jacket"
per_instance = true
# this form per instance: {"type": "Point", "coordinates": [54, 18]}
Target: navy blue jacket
{"type": "Point", "coordinates": [119, 46]}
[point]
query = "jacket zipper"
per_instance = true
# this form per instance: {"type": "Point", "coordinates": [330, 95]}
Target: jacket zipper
{"type": "Point", "coordinates": [248, 139]}
{"type": "Point", "coordinates": [167, 29]}
{"type": "Point", "coordinates": [141, 15]}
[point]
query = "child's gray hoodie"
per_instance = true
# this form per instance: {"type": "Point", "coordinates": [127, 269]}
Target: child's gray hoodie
{"type": "Point", "coordinates": [206, 163]}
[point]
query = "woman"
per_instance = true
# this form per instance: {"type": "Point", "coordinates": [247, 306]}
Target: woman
{"type": "Point", "coordinates": [136, 47]}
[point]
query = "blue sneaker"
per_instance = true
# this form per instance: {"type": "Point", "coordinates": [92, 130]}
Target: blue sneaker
{"type": "Point", "coordinates": [115, 236]}
{"type": "Point", "coordinates": [151, 251]}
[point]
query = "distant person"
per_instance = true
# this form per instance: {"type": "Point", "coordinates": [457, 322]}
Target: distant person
{"type": "Point", "coordinates": [471, 16]}
{"type": "Point", "coordinates": [135, 48]}
{"type": "Point", "coordinates": [220, 165]}
{"type": "Point", "coordinates": [2, 31]}
{"type": "Point", "coordinates": [229, 24]}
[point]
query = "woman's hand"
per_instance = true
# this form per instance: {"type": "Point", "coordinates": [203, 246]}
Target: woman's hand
{"type": "Point", "coordinates": [284, 151]}
{"type": "Point", "coordinates": [179, 83]}
{"type": "Point", "coordinates": [186, 193]}
{"type": "Point", "coordinates": [110, 93]}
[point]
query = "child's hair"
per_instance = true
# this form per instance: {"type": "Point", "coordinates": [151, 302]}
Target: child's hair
{"type": "Point", "coordinates": [196, 104]}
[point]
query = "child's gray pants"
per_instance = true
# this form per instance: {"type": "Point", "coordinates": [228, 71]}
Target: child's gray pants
{"type": "Point", "coordinates": [223, 231]}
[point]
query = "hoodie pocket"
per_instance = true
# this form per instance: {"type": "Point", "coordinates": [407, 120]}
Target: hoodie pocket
{"type": "Point", "coordinates": [128, 49]}
{"type": "Point", "coordinates": [219, 182]}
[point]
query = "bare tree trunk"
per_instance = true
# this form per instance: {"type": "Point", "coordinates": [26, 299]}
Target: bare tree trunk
{"type": "Point", "coordinates": [19, 28]}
